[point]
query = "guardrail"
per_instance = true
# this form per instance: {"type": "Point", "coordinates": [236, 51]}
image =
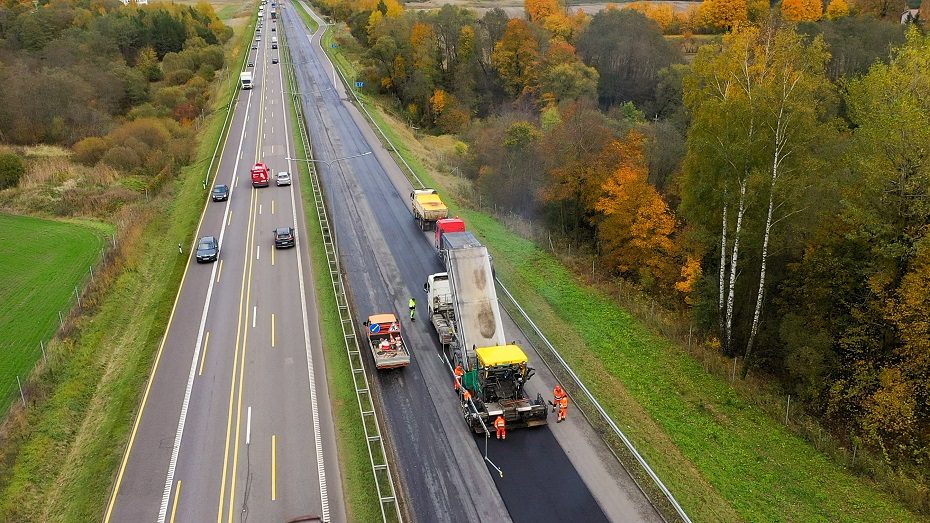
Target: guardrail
{"type": "Point", "coordinates": [380, 468]}
{"type": "Point", "coordinates": [603, 419]}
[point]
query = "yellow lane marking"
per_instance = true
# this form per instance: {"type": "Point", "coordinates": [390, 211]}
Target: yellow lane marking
{"type": "Point", "coordinates": [203, 357]}
{"type": "Point", "coordinates": [229, 219]}
{"type": "Point", "coordinates": [245, 338]}
{"type": "Point", "coordinates": [232, 382]}
{"type": "Point", "coordinates": [274, 482]}
{"type": "Point", "coordinates": [219, 272]}
{"type": "Point", "coordinates": [177, 496]}
{"type": "Point", "coordinates": [272, 206]}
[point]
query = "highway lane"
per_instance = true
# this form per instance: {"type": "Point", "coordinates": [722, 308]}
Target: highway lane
{"type": "Point", "coordinates": [549, 472]}
{"type": "Point", "coordinates": [236, 420]}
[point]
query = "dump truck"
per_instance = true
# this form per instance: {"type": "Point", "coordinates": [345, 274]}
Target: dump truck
{"type": "Point", "coordinates": [427, 207]}
{"type": "Point", "coordinates": [463, 308]}
{"type": "Point", "coordinates": [387, 345]}
{"type": "Point", "coordinates": [245, 80]}
{"type": "Point", "coordinates": [259, 175]}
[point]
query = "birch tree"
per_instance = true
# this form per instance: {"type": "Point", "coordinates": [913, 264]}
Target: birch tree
{"type": "Point", "coordinates": [758, 101]}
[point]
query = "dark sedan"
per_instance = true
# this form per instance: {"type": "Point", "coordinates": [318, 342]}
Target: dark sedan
{"type": "Point", "coordinates": [208, 249]}
{"type": "Point", "coordinates": [284, 237]}
{"type": "Point", "coordinates": [220, 193]}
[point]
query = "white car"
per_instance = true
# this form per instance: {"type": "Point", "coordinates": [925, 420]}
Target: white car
{"type": "Point", "coordinates": [283, 178]}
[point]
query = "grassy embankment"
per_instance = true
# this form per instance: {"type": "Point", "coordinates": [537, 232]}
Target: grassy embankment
{"type": "Point", "coordinates": [46, 260]}
{"type": "Point", "coordinates": [60, 461]}
{"type": "Point", "coordinates": [358, 483]}
{"type": "Point", "coordinates": [723, 458]}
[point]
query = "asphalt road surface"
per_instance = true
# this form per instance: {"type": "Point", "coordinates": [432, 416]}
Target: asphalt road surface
{"type": "Point", "coordinates": [558, 472]}
{"type": "Point", "coordinates": [235, 424]}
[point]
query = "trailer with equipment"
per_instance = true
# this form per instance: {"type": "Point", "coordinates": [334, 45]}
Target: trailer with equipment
{"type": "Point", "coordinates": [387, 345]}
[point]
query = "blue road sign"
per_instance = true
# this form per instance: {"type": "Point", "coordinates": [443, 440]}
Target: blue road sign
{"type": "Point", "coordinates": [333, 45]}
{"type": "Point", "coordinates": [374, 328]}
{"type": "Point", "coordinates": [359, 85]}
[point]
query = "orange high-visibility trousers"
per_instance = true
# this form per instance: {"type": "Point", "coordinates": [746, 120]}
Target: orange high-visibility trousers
{"type": "Point", "coordinates": [563, 408]}
{"type": "Point", "coordinates": [500, 425]}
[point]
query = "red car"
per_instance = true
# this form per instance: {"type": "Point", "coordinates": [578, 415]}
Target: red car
{"type": "Point", "coordinates": [260, 175]}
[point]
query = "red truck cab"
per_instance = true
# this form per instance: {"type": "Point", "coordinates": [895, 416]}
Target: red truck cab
{"type": "Point", "coordinates": [446, 225]}
{"type": "Point", "coordinates": [260, 175]}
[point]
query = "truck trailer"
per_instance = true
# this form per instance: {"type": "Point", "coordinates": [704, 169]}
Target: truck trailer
{"type": "Point", "coordinates": [387, 345]}
{"type": "Point", "coordinates": [463, 308]}
{"type": "Point", "coordinates": [427, 207]}
{"type": "Point", "coordinates": [245, 80]}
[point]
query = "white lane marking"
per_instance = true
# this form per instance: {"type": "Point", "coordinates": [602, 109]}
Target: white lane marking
{"type": "Point", "coordinates": [248, 426]}
{"type": "Point", "coordinates": [254, 314]}
{"type": "Point", "coordinates": [314, 411]}
{"type": "Point", "coordinates": [175, 450]}
{"type": "Point", "coordinates": [259, 208]}
{"type": "Point", "coordinates": [258, 252]}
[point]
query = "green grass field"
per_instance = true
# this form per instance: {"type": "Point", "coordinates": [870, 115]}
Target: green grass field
{"type": "Point", "coordinates": [44, 261]}
{"type": "Point", "coordinates": [723, 459]}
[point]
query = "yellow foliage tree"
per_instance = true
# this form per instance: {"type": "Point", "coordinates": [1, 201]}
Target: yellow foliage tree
{"type": "Point", "coordinates": [690, 274]}
{"type": "Point", "coordinates": [725, 14]}
{"type": "Point", "coordinates": [636, 225]}
{"type": "Point", "coordinates": [662, 14]}
{"type": "Point", "coordinates": [374, 19]}
{"type": "Point", "coordinates": [837, 9]}
{"type": "Point", "coordinates": [516, 57]}
{"type": "Point", "coordinates": [802, 10]}
{"type": "Point", "coordinates": [538, 10]}
{"type": "Point", "coordinates": [394, 9]}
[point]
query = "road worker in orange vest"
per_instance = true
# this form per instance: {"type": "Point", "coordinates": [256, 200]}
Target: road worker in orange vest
{"type": "Point", "coordinates": [557, 394]}
{"type": "Point", "coordinates": [501, 427]}
{"type": "Point", "coordinates": [563, 408]}
{"type": "Point", "coordinates": [459, 372]}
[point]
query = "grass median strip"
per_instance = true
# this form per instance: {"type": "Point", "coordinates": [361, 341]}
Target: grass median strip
{"type": "Point", "coordinates": [724, 459]}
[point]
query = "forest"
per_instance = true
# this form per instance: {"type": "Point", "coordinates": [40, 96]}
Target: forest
{"type": "Point", "coordinates": [764, 169]}
{"type": "Point", "coordinates": [120, 84]}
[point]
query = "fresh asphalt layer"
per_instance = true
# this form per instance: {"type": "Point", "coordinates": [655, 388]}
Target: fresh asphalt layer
{"type": "Point", "coordinates": [558, 472]}
{"type": "Point", "coordinates": [235, 422]}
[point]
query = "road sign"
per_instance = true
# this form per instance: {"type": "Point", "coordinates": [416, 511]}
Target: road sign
{"type": "Point", "coordinates": [333, 45]}
{"type": "Point", "coordinates": [359, 85]}
{"type": "Point", "coordinates": [374, 328]}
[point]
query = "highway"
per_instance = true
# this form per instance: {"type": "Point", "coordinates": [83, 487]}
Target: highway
{"type": "Point", "coordinates": [558, 472]}
{"type": "Point", "coordinates": [235, 421]}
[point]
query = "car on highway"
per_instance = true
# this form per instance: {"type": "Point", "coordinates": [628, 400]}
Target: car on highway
{"type": "Point", "coordinates": [274, 60]}
{"type": "Point", "coordinates": [220, 193]}
{"type": "Point", "coordinates": [283, 178]}
{"type": "Point", "coordinates": [274, 29]}
{"type": "Point", "coordinates": [254, 46]}
{"type": "Point", "coordinates": [257, 37]}
{"type": "Point", "coordinates": [251, 63]}
{"type": "Point", "coordinates": [284, 237]}
{"type": "Point", "coordinates": [208, 249]}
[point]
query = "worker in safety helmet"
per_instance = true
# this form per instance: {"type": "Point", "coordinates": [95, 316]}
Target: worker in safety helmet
{"type": "Point", "coordinates": [557, 393]}
{"type": "Point", "coordinates": [459, 372]}
{"type": "Point", "coordinates": [563, 409]}
{"type": "Point", "coordinates": [501, 427]}
{"type": "Point", "coordinates": [413, 308]}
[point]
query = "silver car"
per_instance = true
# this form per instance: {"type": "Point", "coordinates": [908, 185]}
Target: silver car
{"type": "Point", "coordinates": [283, 178]}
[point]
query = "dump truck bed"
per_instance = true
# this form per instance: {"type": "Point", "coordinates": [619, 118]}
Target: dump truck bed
{"type": "Point", "coordinates": [475, 298]}
{"type": "Point", "coordinates": [385, 327]}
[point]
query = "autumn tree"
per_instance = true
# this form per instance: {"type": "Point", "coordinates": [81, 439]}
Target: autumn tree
{"type": "Point", "coordinates": [802, 10]}
{"type": "Point", "coordinates": [628, 51]}
{"type": "Point", "coordinates": [634, 224]}
{"type": "Point", "coordinates": [759, 103]}
{"type": "Point", "coordinates": [837, 9]}
{"type": "Point", "coordinates": [724, 14]}
{"type": "Point", "coordinates": [516, 58]}
{"type": "Point", "coordinates": [538, 10]}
